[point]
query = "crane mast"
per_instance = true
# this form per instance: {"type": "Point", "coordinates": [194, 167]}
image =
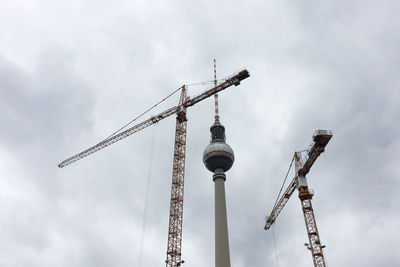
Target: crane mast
{"type": "Point", "coordinates": [305, 197]}
{"type": "Point", "coordinates": [174, 246]}
{"type": "Point", "coordinates": [302, 167]}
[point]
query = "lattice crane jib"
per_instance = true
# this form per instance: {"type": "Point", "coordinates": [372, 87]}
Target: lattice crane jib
{"type": "Point", "coordinates": [302, 167]}
{"type": "Point", "coordinates": [233, 80]}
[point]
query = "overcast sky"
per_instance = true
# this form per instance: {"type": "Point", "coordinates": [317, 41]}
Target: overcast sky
{"type": "Point", "coordinates": [72, 72]}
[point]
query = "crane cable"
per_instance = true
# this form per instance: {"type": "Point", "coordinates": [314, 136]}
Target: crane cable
{"type": "Point", "coordinates": [146, 197]}
{"type": "Point", "coordinates": [155, 105]}
{"type": "Point", "coordinates": [205, 82]}
{"type": "Point", "coordinates": [273, 226]}
{"type": "Point", "coordinates": [284, 181]}
{"type": "Point", "coordinates": [275, 246]}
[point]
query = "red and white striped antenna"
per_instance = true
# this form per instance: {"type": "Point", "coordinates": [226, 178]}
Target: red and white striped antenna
{"type": "Point", "coordinates": [216, 95]}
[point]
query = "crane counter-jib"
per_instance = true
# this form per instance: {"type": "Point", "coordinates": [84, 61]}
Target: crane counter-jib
{"type": "Point", "coordinates": [234, 80]}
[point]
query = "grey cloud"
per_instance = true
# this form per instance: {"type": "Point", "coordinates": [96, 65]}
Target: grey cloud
{"type": "Point", "coordinates": [313, 65]}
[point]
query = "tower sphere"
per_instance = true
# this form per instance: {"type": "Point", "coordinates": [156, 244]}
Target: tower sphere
{"type": "Point", "coordinates": [218, 154]}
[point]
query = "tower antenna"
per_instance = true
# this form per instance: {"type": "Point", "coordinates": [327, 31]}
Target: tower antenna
{"type": "Point", "coordinates": [216, 95]}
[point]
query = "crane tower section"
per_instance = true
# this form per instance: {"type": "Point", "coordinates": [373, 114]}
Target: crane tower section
{"type": "Point", "coordinates": [320, 140]}
{"type": "Point", "coordinates": [174, 247]}
{"type": "Point", "coordinates": [311, 227]}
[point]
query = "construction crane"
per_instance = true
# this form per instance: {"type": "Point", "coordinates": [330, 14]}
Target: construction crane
{"type": "Point", "coordinates": [174, 246]}
{"type": "Point", "coordinates": [302, 167]}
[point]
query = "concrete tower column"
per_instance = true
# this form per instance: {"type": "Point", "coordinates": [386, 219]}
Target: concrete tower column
{"type": "Point", "coordinates": [222, 256]}
{"type": "Point", "coordinates": [218, 158]}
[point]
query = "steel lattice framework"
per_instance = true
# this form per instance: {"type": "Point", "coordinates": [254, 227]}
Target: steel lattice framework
{"type": "Point", "coordinates": [174, 247]}
{"type": "Point", "coordinates": [183, 104]}
{"type": "Point", "coordinates": [282, 202]}
{"type": "Point", "coordinates": [302, 168]}
{"type": "Point", "coordinates": [311, 226]}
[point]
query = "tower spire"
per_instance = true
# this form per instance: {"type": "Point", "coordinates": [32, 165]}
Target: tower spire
{"type": "Point", "coordinates": [216, 95]}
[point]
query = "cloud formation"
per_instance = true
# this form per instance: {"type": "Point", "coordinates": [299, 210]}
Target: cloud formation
{"type": "Point", "coordinates": [73, 72]}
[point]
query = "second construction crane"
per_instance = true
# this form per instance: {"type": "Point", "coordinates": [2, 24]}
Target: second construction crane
{"type": "Point", "coordinates": [174, 246]}
{"type": "Point", "coordinates": [302, 167]}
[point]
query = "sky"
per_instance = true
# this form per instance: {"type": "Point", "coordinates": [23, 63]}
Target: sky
{"type": "Point", "coordinates": [72, 72]}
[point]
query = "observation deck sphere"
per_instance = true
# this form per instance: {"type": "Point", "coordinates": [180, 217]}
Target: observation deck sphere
{"type": "Point", "coordinates": [218, 155]}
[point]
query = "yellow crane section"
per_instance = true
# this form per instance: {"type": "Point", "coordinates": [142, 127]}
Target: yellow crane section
{"type": "Point", "coordinates": [302, 167]}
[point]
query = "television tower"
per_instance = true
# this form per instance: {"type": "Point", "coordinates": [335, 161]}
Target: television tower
{"type": "Point", "coordinates": [218, 158]}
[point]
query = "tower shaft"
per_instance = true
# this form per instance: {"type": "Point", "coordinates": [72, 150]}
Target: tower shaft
{"type": "Point", "coordinates": [222, 257]}
{"type": "Point", "coordinates": [174, 248]}
{"type": "Point", "coordinates": [311, 226]}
